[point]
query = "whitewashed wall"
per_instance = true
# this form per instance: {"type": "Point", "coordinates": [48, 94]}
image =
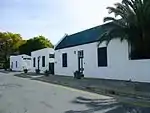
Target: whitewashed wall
{"type": "Point", "coordinates": [119, 66]}
{"type": "Point", "coordinates": [21, 63]}
{"type": "Point", "coordinates": [42, 52]}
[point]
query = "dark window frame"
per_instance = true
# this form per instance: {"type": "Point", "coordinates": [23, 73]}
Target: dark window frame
{"type": "Point", "coordinates": [64, 60]}
{"type": "Point", "coordinates": [51, 55]}
{"type": "Point", "coordinates": [81, 54]}
{"type": "Point", "coordinates": [43, 61]}
{"type": "Point", "coordinates": [34, 62]}
{"type": "Point", "coordinates": [11, 65]}
{"type": "Point", "coordinates": [16, 64]}
{"type": "Point", "coordinates": [26, 58]}
{"type": "Point", "coordinates": [134, 55]}
{"type": "Point", "coordinates": [102, 57]}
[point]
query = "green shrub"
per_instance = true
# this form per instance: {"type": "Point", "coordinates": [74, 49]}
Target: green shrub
{"type": "Point", "coordinates": [78, 75]}
{"type": "Point", "coordinates": [25, 70]}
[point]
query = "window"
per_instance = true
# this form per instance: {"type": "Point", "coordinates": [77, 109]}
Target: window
{"type": "Point", "coordinates": [26, 58]}
{"type": "Point", "coordinates": [64, 60]}
{"type": "Point", "coordinates": [138, 54]}
{"type": "Point", "coordinates": [16, 64]}
{"type": "Point", "coordinates": [80, 54]}
{"type": "Point", "coordinates": [102, 56]}
{"type": "Point", "coordinates": [34, 62]}
{"type": "Point", "coordinates": [51, 56]}
{"type": "Point", "coordinates": [11, 65]}
{"type": "Point", "coordinates": [43, 61]}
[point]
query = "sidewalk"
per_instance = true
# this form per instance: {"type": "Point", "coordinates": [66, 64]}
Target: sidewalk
{"type": "Point", "coordinates": [113, 87]}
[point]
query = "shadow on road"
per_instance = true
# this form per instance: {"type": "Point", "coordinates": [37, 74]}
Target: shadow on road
{"type": "Point", "coordinates": [106, 106]}
{"type": "Point", "coordinates": [6, 72]}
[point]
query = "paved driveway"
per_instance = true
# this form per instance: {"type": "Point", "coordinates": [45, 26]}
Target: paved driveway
{"type": "Point", "coordinates": [22, 95]}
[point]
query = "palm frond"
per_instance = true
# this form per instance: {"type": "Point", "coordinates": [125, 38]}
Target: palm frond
{"type": "Point", "coordinates": [133, 25]}
{"type": "Point", "coordinates": [116, 32]}
{"type": "Point", "coordinates": [129, 3]}
{"type": "Point", "coordinates": [109, 19]}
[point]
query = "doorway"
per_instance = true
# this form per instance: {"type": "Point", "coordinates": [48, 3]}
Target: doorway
{"type": "Point", "coordinates": [51, 68]}
{"type": "Point", "coordinates": [80, 61]}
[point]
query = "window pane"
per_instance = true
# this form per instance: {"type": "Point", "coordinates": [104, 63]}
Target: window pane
{"type": "Point", "coordinates": [102, 57]}
{"type": "Point", "coordinates": [138, 54]}
{"type": "Point", "coordinates": [34, 62]}
{"type": "Point", "coordinates": [64, 60]}
{"type": "Point", "coordinates": [26, 58]}
{"type": "Point", "coordinates": [16, 64]}
{"type": "Point", "coordinates": [51, 56]}
{"type": "Point", "coordinates": [11, 64]}
{"type": "Point", "coordinates": [43, 61]}
{"type": "Point", "coordinates": [80, 54]}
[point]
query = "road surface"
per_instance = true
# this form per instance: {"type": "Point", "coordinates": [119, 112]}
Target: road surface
{"type": "Point", "coordinates": [22, 95]}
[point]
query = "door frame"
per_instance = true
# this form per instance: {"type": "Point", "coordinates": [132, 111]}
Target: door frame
{"type": "Point", "coordinates": [51, 67]}
{"type": "Point", "coordinates": [80, 56]}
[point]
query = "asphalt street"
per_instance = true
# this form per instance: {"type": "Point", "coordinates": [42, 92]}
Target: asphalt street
{"type": "Point", "coordinates": [22, 95]}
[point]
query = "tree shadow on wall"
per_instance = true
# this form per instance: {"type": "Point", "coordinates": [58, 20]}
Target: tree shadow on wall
{"type": "Point", "coordinates": [105, 106]}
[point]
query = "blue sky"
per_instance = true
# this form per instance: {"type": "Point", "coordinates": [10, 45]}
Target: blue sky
{"type": "Point", "coordinates": [51, 18]}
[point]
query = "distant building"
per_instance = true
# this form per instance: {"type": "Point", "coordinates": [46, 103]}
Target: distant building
{"type": "Point", "coordinates": [20, 62]}
{"type": "Point", "coordinates": [43, 60]}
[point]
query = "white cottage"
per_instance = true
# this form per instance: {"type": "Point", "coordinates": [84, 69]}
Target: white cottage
{"type": "Point", "coordinates": [80, 51]}
{"type": "Point", "coordinates": [43, 59]}
{"type": "Point", "coordinates": [20, 62]}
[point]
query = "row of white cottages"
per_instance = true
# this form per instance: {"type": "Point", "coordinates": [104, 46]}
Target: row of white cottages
{"type": "Point", "coordinates": [42, 59]}
{"type": "Point", "coordinates": [81, 51]}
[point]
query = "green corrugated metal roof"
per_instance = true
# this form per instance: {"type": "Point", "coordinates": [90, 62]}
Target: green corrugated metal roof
{"type": "Point", "coordinates": [83, 37]}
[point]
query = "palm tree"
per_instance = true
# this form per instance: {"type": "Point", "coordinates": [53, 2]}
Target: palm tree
{"type": "Point", "coordinates": [133, 25]}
